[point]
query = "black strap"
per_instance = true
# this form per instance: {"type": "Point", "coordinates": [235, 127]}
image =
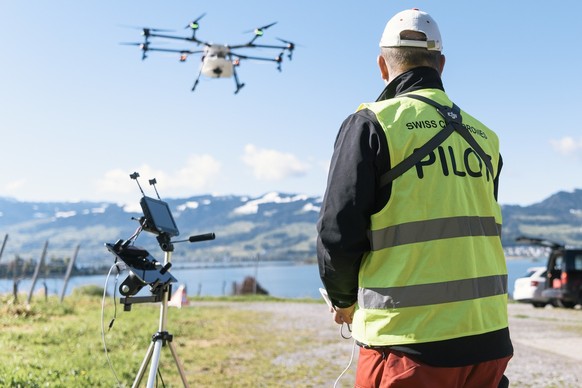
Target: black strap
{"type": "Point", "coordinates": [457, 123]}
{"type": "Point", "coordinates": [453, 120]}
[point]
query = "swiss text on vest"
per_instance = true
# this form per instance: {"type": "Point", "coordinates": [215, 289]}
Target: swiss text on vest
{"type": "Point", "coordinates": [429, 124]}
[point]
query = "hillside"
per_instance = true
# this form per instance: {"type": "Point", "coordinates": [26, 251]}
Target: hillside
{"type": "Point", "coordinates": [557, 218]}
{"type": "Point", "coordinates": [275, 226]}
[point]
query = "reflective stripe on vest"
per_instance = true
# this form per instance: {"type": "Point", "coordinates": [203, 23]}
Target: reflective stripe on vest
{"type": "Point", "coordinates": [441, 228]}
{"type": "Point", "coordinates": [431, 294]}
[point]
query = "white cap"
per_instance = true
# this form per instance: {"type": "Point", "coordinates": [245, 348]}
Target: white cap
{"type": "Point", "coordinates": [412, 20]}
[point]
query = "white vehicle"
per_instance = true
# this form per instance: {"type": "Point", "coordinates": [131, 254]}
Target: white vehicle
{"type": "Point", "coordinates": [528, 289]}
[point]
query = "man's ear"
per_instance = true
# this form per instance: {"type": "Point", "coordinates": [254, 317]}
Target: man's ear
{"type": "Point", "coordinates": [442, 64]}
{"type": "Point", "coordinates": [383, 68]}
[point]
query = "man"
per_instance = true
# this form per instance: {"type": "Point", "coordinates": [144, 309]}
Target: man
{"type": "Point", "coordinates": [410, 227]}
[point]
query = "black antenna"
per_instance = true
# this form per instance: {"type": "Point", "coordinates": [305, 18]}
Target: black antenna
{"type": "Point", "coordinates": [134, 176]}
{"type": "Point", "coordinates": [153, 183]}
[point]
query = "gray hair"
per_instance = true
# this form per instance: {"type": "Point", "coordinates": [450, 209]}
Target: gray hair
{"type": "Point", "coordinates": [406, 58]}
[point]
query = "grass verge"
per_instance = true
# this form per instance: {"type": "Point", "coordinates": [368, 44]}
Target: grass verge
{"type": "Point", "coordinates": [60, 344]}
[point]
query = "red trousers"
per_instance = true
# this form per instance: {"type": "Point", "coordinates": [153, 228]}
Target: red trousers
{"type": "Point", "coordinates": [382, 369]}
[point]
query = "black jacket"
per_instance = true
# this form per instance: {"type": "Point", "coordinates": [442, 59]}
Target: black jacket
{"type": "Point", "coordinates": [360, 158]}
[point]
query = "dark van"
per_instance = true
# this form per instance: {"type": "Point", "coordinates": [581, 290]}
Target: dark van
{"type": "Point", "coordinates": [564, 275]}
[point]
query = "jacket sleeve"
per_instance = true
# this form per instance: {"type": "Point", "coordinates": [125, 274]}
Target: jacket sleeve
{"type": "Point", "coordinates": [360, 156]}
{"type": "Point", "coordinates": [496, 181]}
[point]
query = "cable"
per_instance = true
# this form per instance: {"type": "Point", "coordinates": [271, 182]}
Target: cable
{"type": "Point", "coordinates": [137, 232]}
{"type": "Point", "coordinates": [348, 366]}
{"type": "Point", "coordinates": [111, 323]}
{"type": "Point", "coordinates": [351, 357]}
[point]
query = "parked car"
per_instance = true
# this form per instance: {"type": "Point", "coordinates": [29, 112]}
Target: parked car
{"type": "Point", "coordinates": [528, 288]}
{"type": "Point", "coordinates": [563, 285]}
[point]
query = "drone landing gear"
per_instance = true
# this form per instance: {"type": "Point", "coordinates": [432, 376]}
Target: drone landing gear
{"type": "Point", "coordinates": [239, 86]}
{"type": "Point", "coordinates": [197, 79]}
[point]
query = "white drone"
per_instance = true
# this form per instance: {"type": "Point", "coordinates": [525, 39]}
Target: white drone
{"type": "Point", "coordinates": [218, 60]}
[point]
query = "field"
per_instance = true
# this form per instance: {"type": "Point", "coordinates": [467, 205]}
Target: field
{"type": "Point", "coordinates": [235, 342]}
{"type": "Point", "coordinates": [54, 344]}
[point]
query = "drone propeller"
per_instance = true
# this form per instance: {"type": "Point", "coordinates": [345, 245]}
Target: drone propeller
{"type": "Point", "coordinates": [143, 46]}
{"type": "Point", "coordinates": [290, 44]}
{"type": "Point", "coordinates": [260, 30]}
{"type": "Point", "coordinates": [147, 28]}
{"type": "Point", "coordinates": [290, 47]}
{"type": "Point", "coordinates": [146, 32]}
{"type": "Point", "coordinates": [193, 25]}
{"type": "Point", "coordinates": [155, 29]}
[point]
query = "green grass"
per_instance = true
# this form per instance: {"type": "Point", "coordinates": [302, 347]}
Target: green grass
{"type": "Point", "coordinates": [60, 345]}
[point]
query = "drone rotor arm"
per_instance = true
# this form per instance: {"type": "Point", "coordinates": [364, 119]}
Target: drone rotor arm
{"type": "Point", "coordinates": [271, 46]}
{"type": "Point", "coordinates": [289, 47]}
{"type": "Point", "coordinates": [240, 56]}
{"type": "Point", "coordinates": [143, 46]}
{"type": "Point", "coordinates": [277, 60]}
{"type": "Point", "coordinates": [174, 37]}
{"type": "Point", "coordinates": [168, 50]}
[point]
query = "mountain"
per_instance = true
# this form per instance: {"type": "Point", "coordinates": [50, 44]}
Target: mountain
{"type": "Point", "coordinates": [272, 227]}
{"type": "Point", "coordinates": [557, 218]}
{"type": "Point", "coordinates": [275, 226]}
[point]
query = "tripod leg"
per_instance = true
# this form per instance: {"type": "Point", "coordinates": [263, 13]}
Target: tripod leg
{"type": "Point", "coordinates": [143, 366]}
{"type": "Point", "coordinates": [155, 362]}
{"type": "Point", "coordinates": [178, 364]}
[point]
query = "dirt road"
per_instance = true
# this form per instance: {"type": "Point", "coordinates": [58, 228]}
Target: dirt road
{"type": "Point", "coordinates": [548, 346]}
{"type": "Point", "coordinates": [547, 342]}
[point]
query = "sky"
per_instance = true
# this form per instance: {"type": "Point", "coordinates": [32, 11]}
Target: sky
{"type": "Point", "coordinates": [79, 112]}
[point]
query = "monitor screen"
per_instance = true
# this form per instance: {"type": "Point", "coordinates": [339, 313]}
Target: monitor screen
{"type": "Point", "coordinates": [159, 216]}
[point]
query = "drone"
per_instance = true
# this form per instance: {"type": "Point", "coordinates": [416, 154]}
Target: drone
{"type": "Point", "coordinates": [218, 60]}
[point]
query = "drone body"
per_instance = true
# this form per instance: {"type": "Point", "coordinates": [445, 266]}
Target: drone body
{"type": "Point", "coordinates": [218, 60]}
{"type": "Point", "coordinates": [215, 63]}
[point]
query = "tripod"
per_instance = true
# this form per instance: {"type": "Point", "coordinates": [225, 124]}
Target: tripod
{"type": "Point", "coordinates": [160, 339]}
{"type": "Point", "coordinates": [144, 269]}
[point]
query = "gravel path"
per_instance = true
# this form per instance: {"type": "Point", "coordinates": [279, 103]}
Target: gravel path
{"type": "Point", "coordinates": [547, 342]}
{"type": "Point", "coordinates": [548, 346]}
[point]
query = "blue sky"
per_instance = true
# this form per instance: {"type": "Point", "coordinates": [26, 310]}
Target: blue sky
{"type": "Point", "coordinates": [79, 112]}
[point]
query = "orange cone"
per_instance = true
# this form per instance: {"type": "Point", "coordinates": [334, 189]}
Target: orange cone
{"type": "Point", "coordinates": [180, 298]}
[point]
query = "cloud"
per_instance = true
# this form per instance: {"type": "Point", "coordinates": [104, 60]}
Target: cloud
{"type": "Point", "coordinates": [567, 145]}
{"type": "Point", "coordinates": [15, 185]}
{"type": "Point", "coordinates": [197, 174]}
{"type": "Point", "coordinates": [272, 165]}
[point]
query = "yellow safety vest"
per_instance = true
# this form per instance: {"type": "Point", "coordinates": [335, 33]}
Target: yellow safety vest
{"type": "Point", "coordinates": [436, 269]}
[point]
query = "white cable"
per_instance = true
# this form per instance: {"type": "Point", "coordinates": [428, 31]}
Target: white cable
{"type": "Point", "coordinates": [325, 296]}
{"type": "Point", "coordinates": [347, 367]}
{"type": "Point", "coordinates": [103, 321]}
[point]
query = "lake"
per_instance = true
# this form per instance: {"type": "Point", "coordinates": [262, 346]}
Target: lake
{"type": "Point", "coordinates": [284, 280]}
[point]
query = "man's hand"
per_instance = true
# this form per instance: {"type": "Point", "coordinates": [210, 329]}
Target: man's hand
{"type": "Point", "coordinates": [344, 315]}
